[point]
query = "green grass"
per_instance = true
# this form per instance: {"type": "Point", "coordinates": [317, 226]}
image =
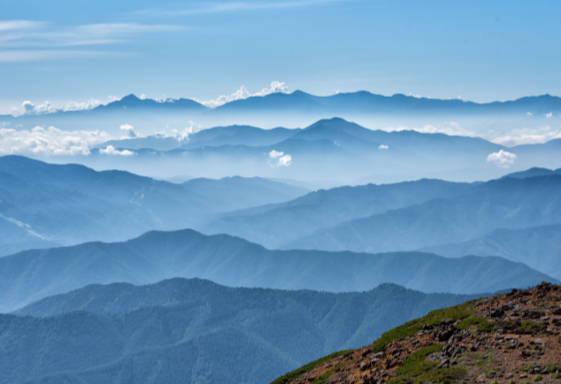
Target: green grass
{"type": "Point", "coordinates": [460, 312]}
{"type": "Point", "coordinates": [464, 314]}
{"type": "Point", "coordinates": [553, 368]}
{"type": "Point", "coordinates": [417, 369]}
{"type": "Point", "coordinates": [308, 367]}
{"type": "Point", "coordinates": [480, 323]}
{"type": "Point", "coordinates": [322, 379]}
{"type": "Point", "coordinates": [531, 327]}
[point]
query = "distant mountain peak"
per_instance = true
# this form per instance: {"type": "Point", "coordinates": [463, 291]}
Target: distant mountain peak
{"type": "Point", "coordinates": [532, 172]}
{"type": "Point", "coordinates": [133, 101]}
{"type": "Point", "coordinates": [299, 92]}
{"type": "Point", "coordinates": [131, 97]}
{"type": "Point", "coordinates": [334, 124]}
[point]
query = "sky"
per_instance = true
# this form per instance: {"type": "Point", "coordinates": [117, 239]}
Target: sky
{"type": "Point", "coordinates": [85, 51]}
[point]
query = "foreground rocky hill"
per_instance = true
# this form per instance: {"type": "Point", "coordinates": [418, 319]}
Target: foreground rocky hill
{"type": "Point", "coordinates": [511, 338]}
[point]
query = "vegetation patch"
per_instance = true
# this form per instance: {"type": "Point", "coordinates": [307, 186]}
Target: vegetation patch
{"type": "Point", "coordinates": [308, 367]}
{"type": "Point", "coordinates": [531, 327]}
{"type": "Point", "coordinates": [418, 369]}
{"type": "Point", "coordinates": [479, 323]}
{"type": "Point", "coordinates": [456, 313]}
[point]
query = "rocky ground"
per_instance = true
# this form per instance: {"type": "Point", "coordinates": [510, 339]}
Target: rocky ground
{"type": "Point", "coordinates": [510, 338]}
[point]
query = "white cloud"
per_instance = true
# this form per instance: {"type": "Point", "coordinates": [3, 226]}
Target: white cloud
{"type": "Point", "coordinates": [19, 25]}
{"type": "Point", "coordinates": [28, 107]}
{"type": "Point", "coordinates": [383, 147]}
{"type": "Point", "coordinates": [128, 130]}
{"type": "Point", "coordinates": [244, 93]}
{"type": "Point", "coordinates": [14, 56]}
{"type": "Point", "coordinates": [112, 151]}
{"type": "Point", "coordinates": [549, 115]}
{"type": "Point", "coordinates": [279, 159]}
{"type": "Point", "coordinates": [449, 128]}
{"type": "Point", "coordinates": [502, 158]}
{"type": "Point", "coordinates": [233, 6]}
{"type": "Point", "coordinates": [49, 141]}
{"type": "Point", "coordinates": [24, 40]}
{"type": "Point", "coordinates": [531, 135]}
{"type": "Point", "coordinates": [81, 105]}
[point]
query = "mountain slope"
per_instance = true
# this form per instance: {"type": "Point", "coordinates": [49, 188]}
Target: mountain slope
{"type": "Point", "coordinates": [66, 204]}
{"type": "Point", "coordinates": [512, 338]}
{"type": "Point", "coordinates": [366, 102]}
{"type": "Point", "coordinates": [274, 225]}
{"type": "Point", "coordinates": [509, 203]}
{"type": "Point", "coordinates": [238, 135]}
{"type": "Point", "coordinates": [537, 247]}
{"type": "Point", "coordinates": [234, 193]}
{"type": "Point", "coordinates": [534, 172]}
{"type": "Point", "coordinates": [192, 331]}
{"type": "Point", "coordinates": [32, 275]}
{"type": "Point", "coordinates": [16, 235]}
{"type": "Point", "coordinates": [133, 102]}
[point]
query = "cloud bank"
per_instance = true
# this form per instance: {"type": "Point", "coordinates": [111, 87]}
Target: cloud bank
{"type": "Point", "coordinates": [30, 40]}
{"type": "Point", "coordinates": [30, 108]}
{"type": "Point", "coordinates": [278, 159]}
{"type": "Point", "coordinates": [112, 151]}
{"type": "Point", "coordinates": [502, 158]}
{"type": "Point", "coordinates": [532, 135]}
{"type": "Point", "coordinates": [217, 7]}
{"type": "Point", "coordinates": [244, 93]}
{"type": "Point", "coordinates": [49, 141]}
{"type": "Point", "coordinates": [128, 130]}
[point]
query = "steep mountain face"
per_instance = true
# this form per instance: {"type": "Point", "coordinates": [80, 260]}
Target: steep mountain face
{"type": "Point", "coordinates": [42, 204]}
{"type": "Point", "coordinates": [537, 247]}
{"type": "Point", "coordinates": [278, 224]}
{"type": "Point", "coordinates": [512, 338]}
{"type": "Point", "coordinates": [32, 275]}
{"type": "Point", "coordinates": [510, 203]}
{"type": "Point", "coordinates": [183, 331]}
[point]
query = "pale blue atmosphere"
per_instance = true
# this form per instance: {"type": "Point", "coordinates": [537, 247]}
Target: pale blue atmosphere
{"type": "Point", "coordinates": [67, 51]}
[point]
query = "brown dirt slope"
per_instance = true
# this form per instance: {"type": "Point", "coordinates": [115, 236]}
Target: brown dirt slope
{"type": "Point", "coordinates": [510, 338]}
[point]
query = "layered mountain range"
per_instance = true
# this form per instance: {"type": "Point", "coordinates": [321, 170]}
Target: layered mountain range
{"type": "Point", "coordinates": [184, 331]}
{"type": "Point", "coordinates": [329, 152]}
{"type": "Point", "coordinates": [44, 204]}
{"type": "Point", "coordinates": [362, 102]}
{"type": "Point", "coordinates": [100, 270]}
{"type": "Point", "coordinates": [236, 262]}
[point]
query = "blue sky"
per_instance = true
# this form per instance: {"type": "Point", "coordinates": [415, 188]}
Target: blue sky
{"type": "Point", "coordinates": [63, 51]}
